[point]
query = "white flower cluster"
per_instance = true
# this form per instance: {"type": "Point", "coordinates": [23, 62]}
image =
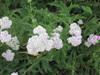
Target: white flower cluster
{"type": "Point", "coordinates": [8, 55]}
{"type": "Point", "coordinates": [58, 29]}
{"type": "Point", "coordinates": [14, 73]}
{"type": "Point", "coordinates": [6, 38]}
{"type": "Point", "coordinates": [5, 23]}
{"type": "Point", "coordinates": [80, 22]}
{"type": "Point", "coordinates": [75, 31]}
{"type": "Point", "coordinates": [41, 41]}
{"type": "Point", "coordinates": [92, 40]}
{"type": "Point", "coordinates": [13, 43]}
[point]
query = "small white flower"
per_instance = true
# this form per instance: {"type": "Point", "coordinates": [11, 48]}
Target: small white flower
{"type": "Point", "coordinates": [75, 29]}
{"type": "Point", "coordinates": [35, 45]}
{"type": "Point", "coordinates": [58, 29]}
{"type": "Point", "coordinates": [56, 34]}
{"type": "Point", "coordinates": [80, 21]}
{"type": "Point", "coordinates": [13, 43]}
{"type": "Point", "coordinates": [49, 45]}
{"type": "Point", "coordinates": [43, 36]}
{"type": "Point", "coordinates": [75, 32]}
{"type": "Point", "coordinates": [5, 23]}
{"type": "Point", "coordinates": [74, 25]}
{"type": "Point", "coordinates": [45, 39]}
{"type": "Point", "coordinates": [14, 73]}
{"type": "Point", "coordinates": [8, 55]}
{"type": "Point", "coordinates": [88, 44]}
{"type": "Point", "coordinates": [58, 44]}
{"type": "Point", "coordinates": [5, 36]}
{"type": "Point", "coordinates": [39, 30]}
{"type": "Point", "coordinates": [75, 41]}
{"type": "Point", "coordinates": [92, 40]}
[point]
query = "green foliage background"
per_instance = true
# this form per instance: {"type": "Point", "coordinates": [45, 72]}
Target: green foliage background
{"type": "Point", "coordinates": [27, 14]}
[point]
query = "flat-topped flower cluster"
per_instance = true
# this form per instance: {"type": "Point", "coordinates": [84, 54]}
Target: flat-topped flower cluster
{"type": "Point", "coordinates": [75, 31]}
{"type": "Point", "coordinates": [41, 41]}
{"type": "Point", "coordinates": [5, 37]}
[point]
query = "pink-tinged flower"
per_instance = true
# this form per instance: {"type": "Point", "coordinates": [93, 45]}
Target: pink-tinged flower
{"type": "Point", "coordinates": [92, 40]}
{"type": "Point", "coordinates": [97, 37]}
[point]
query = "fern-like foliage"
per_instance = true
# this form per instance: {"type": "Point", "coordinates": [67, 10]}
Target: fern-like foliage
{"type": "Point", "coordinates": [69, 60]}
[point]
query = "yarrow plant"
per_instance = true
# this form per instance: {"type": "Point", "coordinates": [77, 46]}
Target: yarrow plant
{"type": "Point", "coordinates": [5, 23]}
{"type": "Point", "coordinates": [7, 38]}
{"type": "Point", "coordinates": [8, 55]}
{"type": "Point", "coordinates": [75, 31]}
{"type": "Point", "coordinates": [13, 43]}
{"type": "Point", "coordinates": [51, 37]}
{"type": "Point", "coordinates": [14, 73]}
{"type": "Point", "coordinates": [41, 41]}
{"type": "Point", "coordinates": [97, 37]}
{"type": "Point", "coordinates": [92, 40]}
